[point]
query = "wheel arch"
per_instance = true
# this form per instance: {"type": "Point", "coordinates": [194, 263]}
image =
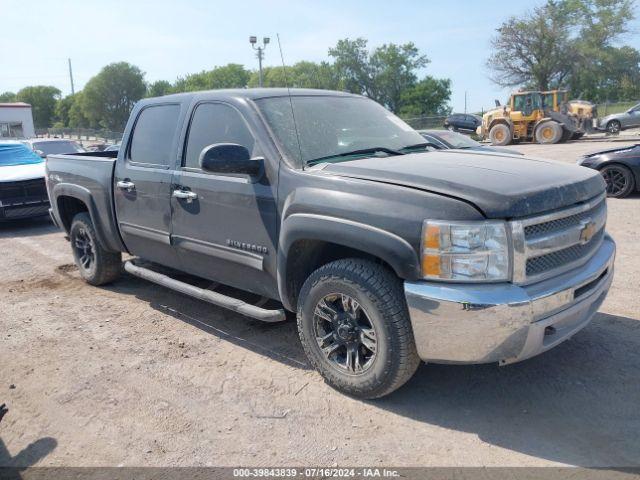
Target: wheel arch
{"type": "Point", "coordinates": [72, 199]}
{"type": "Point", "coordinates": [308, 241]}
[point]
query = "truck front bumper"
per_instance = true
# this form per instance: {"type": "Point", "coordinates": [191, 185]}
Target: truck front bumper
{"type": "Point", "coordinates": [506, 323]}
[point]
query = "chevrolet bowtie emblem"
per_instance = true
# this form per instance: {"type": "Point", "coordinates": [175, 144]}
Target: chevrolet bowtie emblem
{"type": "Point", "coordinates": [588, 231]}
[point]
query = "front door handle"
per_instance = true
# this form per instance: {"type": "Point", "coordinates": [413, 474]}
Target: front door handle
{"type": "Point", "coordinates": [185, 195]}
{"type": "Point", "coordinates": [126, 185]}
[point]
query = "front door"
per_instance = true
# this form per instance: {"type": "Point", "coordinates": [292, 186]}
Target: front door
{"type": "Point", "coordinates": [143, 180]}
{"type": "Point", "coordinates": [224, 225]}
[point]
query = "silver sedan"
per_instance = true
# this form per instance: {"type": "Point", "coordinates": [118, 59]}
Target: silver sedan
{"type": "Point", "coordinates": [621, 121]}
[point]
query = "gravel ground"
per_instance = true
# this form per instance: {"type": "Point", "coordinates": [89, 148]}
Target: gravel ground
{"type": "Point", "coordinates": [136, 375]}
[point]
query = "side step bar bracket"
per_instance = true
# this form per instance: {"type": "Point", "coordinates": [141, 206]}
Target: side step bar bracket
{"type": "Point", "coordinates": [215, 298]}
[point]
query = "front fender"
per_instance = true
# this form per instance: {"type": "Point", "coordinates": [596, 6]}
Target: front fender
{"type": "Point", "coordinates": [390, 248]}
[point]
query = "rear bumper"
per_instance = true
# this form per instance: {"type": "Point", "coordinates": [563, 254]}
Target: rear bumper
{"type": "Point", "coordinates": [506, 323]}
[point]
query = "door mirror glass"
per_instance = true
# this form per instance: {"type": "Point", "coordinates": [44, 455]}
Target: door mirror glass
{"type": "Point", "coordinates": [228, 158]}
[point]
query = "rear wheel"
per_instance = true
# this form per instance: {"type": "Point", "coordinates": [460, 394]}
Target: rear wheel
{"type": "Point", "coordinates": [614, 126]}
{"type": "Point", "coordinates": [355, 329]}
{"type": "Point", "coordinates": [97, 266]}
{"type": "Point", "coordinates": [619, 180]}
{"type": "Point", "coordinates": [549, 132]}
{"type": "Point", "coordinates": [500, 135]}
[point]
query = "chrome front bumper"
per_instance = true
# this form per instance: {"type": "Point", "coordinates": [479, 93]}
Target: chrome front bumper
{"type": "Point", "coordinates": [506, 323]}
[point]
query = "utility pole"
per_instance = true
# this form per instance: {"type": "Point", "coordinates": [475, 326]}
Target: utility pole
{"type": "Point", "coordinates": [465, 101]}
{"type": "Point", "coordinates": [73, 90]}
{"type": "Point", "coordinates": [259, 53]}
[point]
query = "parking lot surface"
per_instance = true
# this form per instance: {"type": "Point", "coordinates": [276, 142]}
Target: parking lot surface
{"type": "Point", "coordinates": [133, 374]}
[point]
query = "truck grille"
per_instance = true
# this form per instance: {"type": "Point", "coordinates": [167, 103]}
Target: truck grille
{"type": "Point", "coordinates": [550, 261]}
{"type": "Point", "coordinates": [23, 198]}
{"type": "Point", "coordinates": [549, 244]}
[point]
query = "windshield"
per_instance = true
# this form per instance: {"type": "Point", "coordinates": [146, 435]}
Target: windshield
{"type": "Point", "coordinates": [53, 148]}
{"type": "Point", "coordinates": [455, 140]}
{"type": "Point", "coordinates": [330, 126]}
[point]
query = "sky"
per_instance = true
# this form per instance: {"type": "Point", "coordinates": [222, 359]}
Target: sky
{"type": "Point", "coordinates": [167, 39]}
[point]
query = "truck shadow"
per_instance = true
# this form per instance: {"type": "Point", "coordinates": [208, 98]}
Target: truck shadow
{"type": "Point", "coordinates": [28, 227]}
{"type": "Point", "coordinates": [576, 404]}
{"type": "Point", "coordinates": [277, 341]}
{"type": "Point", "coordinates": [12, 466]}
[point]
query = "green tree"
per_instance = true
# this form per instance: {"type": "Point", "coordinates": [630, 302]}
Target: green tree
{"type": "Point", "coordinates": [108, 98]}
{"type": "Point", "coordinates": [7, 97]}
{"type": "Point", "coordinates": [62, 109]}
{"type": "Point", "coordinates": [568, 43]}
{"type": "Point", "coordinates": [534, 50]}
{"type": "Point", "coordinates": [77, 117]}
{"type": "Point", "coordinates": [300, 75]}
{"type": "Point", "coordinates": [232, 75]}
{"type": "Point", "coordinates": [42, 99]}
{"type": "Point", "coordinates": [430, 96]}
{"type": "Point", "coordinates": [158, 88]}
{"type": "Point", "coordinates": [383, 74]}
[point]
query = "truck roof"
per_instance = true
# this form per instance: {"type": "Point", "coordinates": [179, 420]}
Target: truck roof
{"type": "Point", "coordinates": [250, 93]}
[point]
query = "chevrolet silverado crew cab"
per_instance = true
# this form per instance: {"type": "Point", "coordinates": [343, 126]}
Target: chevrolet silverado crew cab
{"type": "Point", "coordinates": [326, 204]}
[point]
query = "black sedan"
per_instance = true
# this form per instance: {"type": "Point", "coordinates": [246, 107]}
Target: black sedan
{"type": "Point", "coordinates": [620, 168]}
{"type": "Point", "coordinates": [462, 121]}
{"type": "Point", "coordinates": [445, 139]}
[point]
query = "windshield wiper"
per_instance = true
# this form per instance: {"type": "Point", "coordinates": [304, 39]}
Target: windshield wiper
{"type": "Point", "coordinates": [421, 145]}
{"type": "Point", "coordinates": [363, 151]}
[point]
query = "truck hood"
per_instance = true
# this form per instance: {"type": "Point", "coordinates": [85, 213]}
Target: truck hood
{"type": "Point", "coordinates": [500, 186]}
{"type": "Point", "coordinates": [15, 173]}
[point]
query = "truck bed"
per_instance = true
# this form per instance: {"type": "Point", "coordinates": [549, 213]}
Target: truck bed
{"type": "Point", "coordinates": [89, 176]}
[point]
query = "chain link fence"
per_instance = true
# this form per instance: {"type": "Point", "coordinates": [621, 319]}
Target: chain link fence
{"type": "Point", "coordinates": [425, 122]}
{"type": "Point", "coordinates": [83, 135]}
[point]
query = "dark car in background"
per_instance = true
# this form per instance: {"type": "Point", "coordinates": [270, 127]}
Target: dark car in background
{"type": "Point", "coordinates": [445, 139]}
{"type": "Point", "coordinates": [620, 168]}
{"type": "Point", "coordinates": [465, 122]}
{"type": "Point", "coordinates": [53, 146]}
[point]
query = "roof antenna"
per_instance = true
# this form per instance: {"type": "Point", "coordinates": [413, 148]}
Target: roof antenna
{"type": "Point", "coordinates": [293, 115]}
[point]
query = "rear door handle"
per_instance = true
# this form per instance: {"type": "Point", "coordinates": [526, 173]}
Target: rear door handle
{"type": "Point", "coordinates": [126, 185]}
{"type": "Point", "coordinates": [185, 195]}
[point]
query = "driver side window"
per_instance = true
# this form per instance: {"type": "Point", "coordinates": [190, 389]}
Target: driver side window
{"type": "Point", "coordinates": [215, 123]}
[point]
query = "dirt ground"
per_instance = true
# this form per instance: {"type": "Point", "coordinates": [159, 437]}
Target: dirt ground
{"type": "Point", "coordinates": [136, 375]}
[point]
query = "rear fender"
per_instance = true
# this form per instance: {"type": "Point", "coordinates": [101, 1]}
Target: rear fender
{"type": "Point", "coordinates": [84, 195]}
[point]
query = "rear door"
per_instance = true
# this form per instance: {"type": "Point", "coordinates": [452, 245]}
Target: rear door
{"type": "Point", "coordinates": [143, 180]}
{"type": "Point", "coordinates": [226, 230]}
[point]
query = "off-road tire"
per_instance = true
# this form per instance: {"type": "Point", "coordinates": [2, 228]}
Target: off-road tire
{"type": "Point", "coordinates": [548, 133]}
{"type": "Point", "coordinates": [500, 135]}
{"type": "Point", "coordinates": [379, 292]}
{"type": "Point", "coordinates": [619, 180]}
{"type": "Point", "coordinates": [105, 266]}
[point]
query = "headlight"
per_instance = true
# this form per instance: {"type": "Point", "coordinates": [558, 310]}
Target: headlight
{"type": "Point", "coordinates": [476, 251]}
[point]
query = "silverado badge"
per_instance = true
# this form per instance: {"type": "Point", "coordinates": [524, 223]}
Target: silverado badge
{"type": "Point", "coordinates": [588, 231]}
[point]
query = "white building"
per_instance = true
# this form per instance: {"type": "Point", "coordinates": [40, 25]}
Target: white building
{"type": "Point", "coordinates": [16, 120]}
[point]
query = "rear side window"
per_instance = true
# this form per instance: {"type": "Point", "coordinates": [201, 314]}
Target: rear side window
{"type": "Point", "coordinates": [153, 135]}
{"type": "Point", "coordinates": [215, 123]}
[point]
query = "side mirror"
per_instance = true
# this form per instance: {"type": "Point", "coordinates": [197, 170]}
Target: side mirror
{"type": "Point", "coordinates": [497, 102]}
{"type": "Point", "coordinates": [228, 158]}
{"type": "Point", "coordinates": [40, 153]}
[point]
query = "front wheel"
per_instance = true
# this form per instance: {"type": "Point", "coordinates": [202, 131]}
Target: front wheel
{"type": "Point", "coordinates": [355, 329]}
{"type": "Point", "coordinates": [614, 127]}
{"type": "Point", "coordinates": [500, 135]}
{"type": "Point", "coordinates": [96, 265]}
{"type": "Point", "coordinates": [619, 180]}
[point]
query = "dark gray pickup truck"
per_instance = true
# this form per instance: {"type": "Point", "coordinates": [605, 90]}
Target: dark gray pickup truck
{"type": "Point", "coordinates": [326, 204]}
